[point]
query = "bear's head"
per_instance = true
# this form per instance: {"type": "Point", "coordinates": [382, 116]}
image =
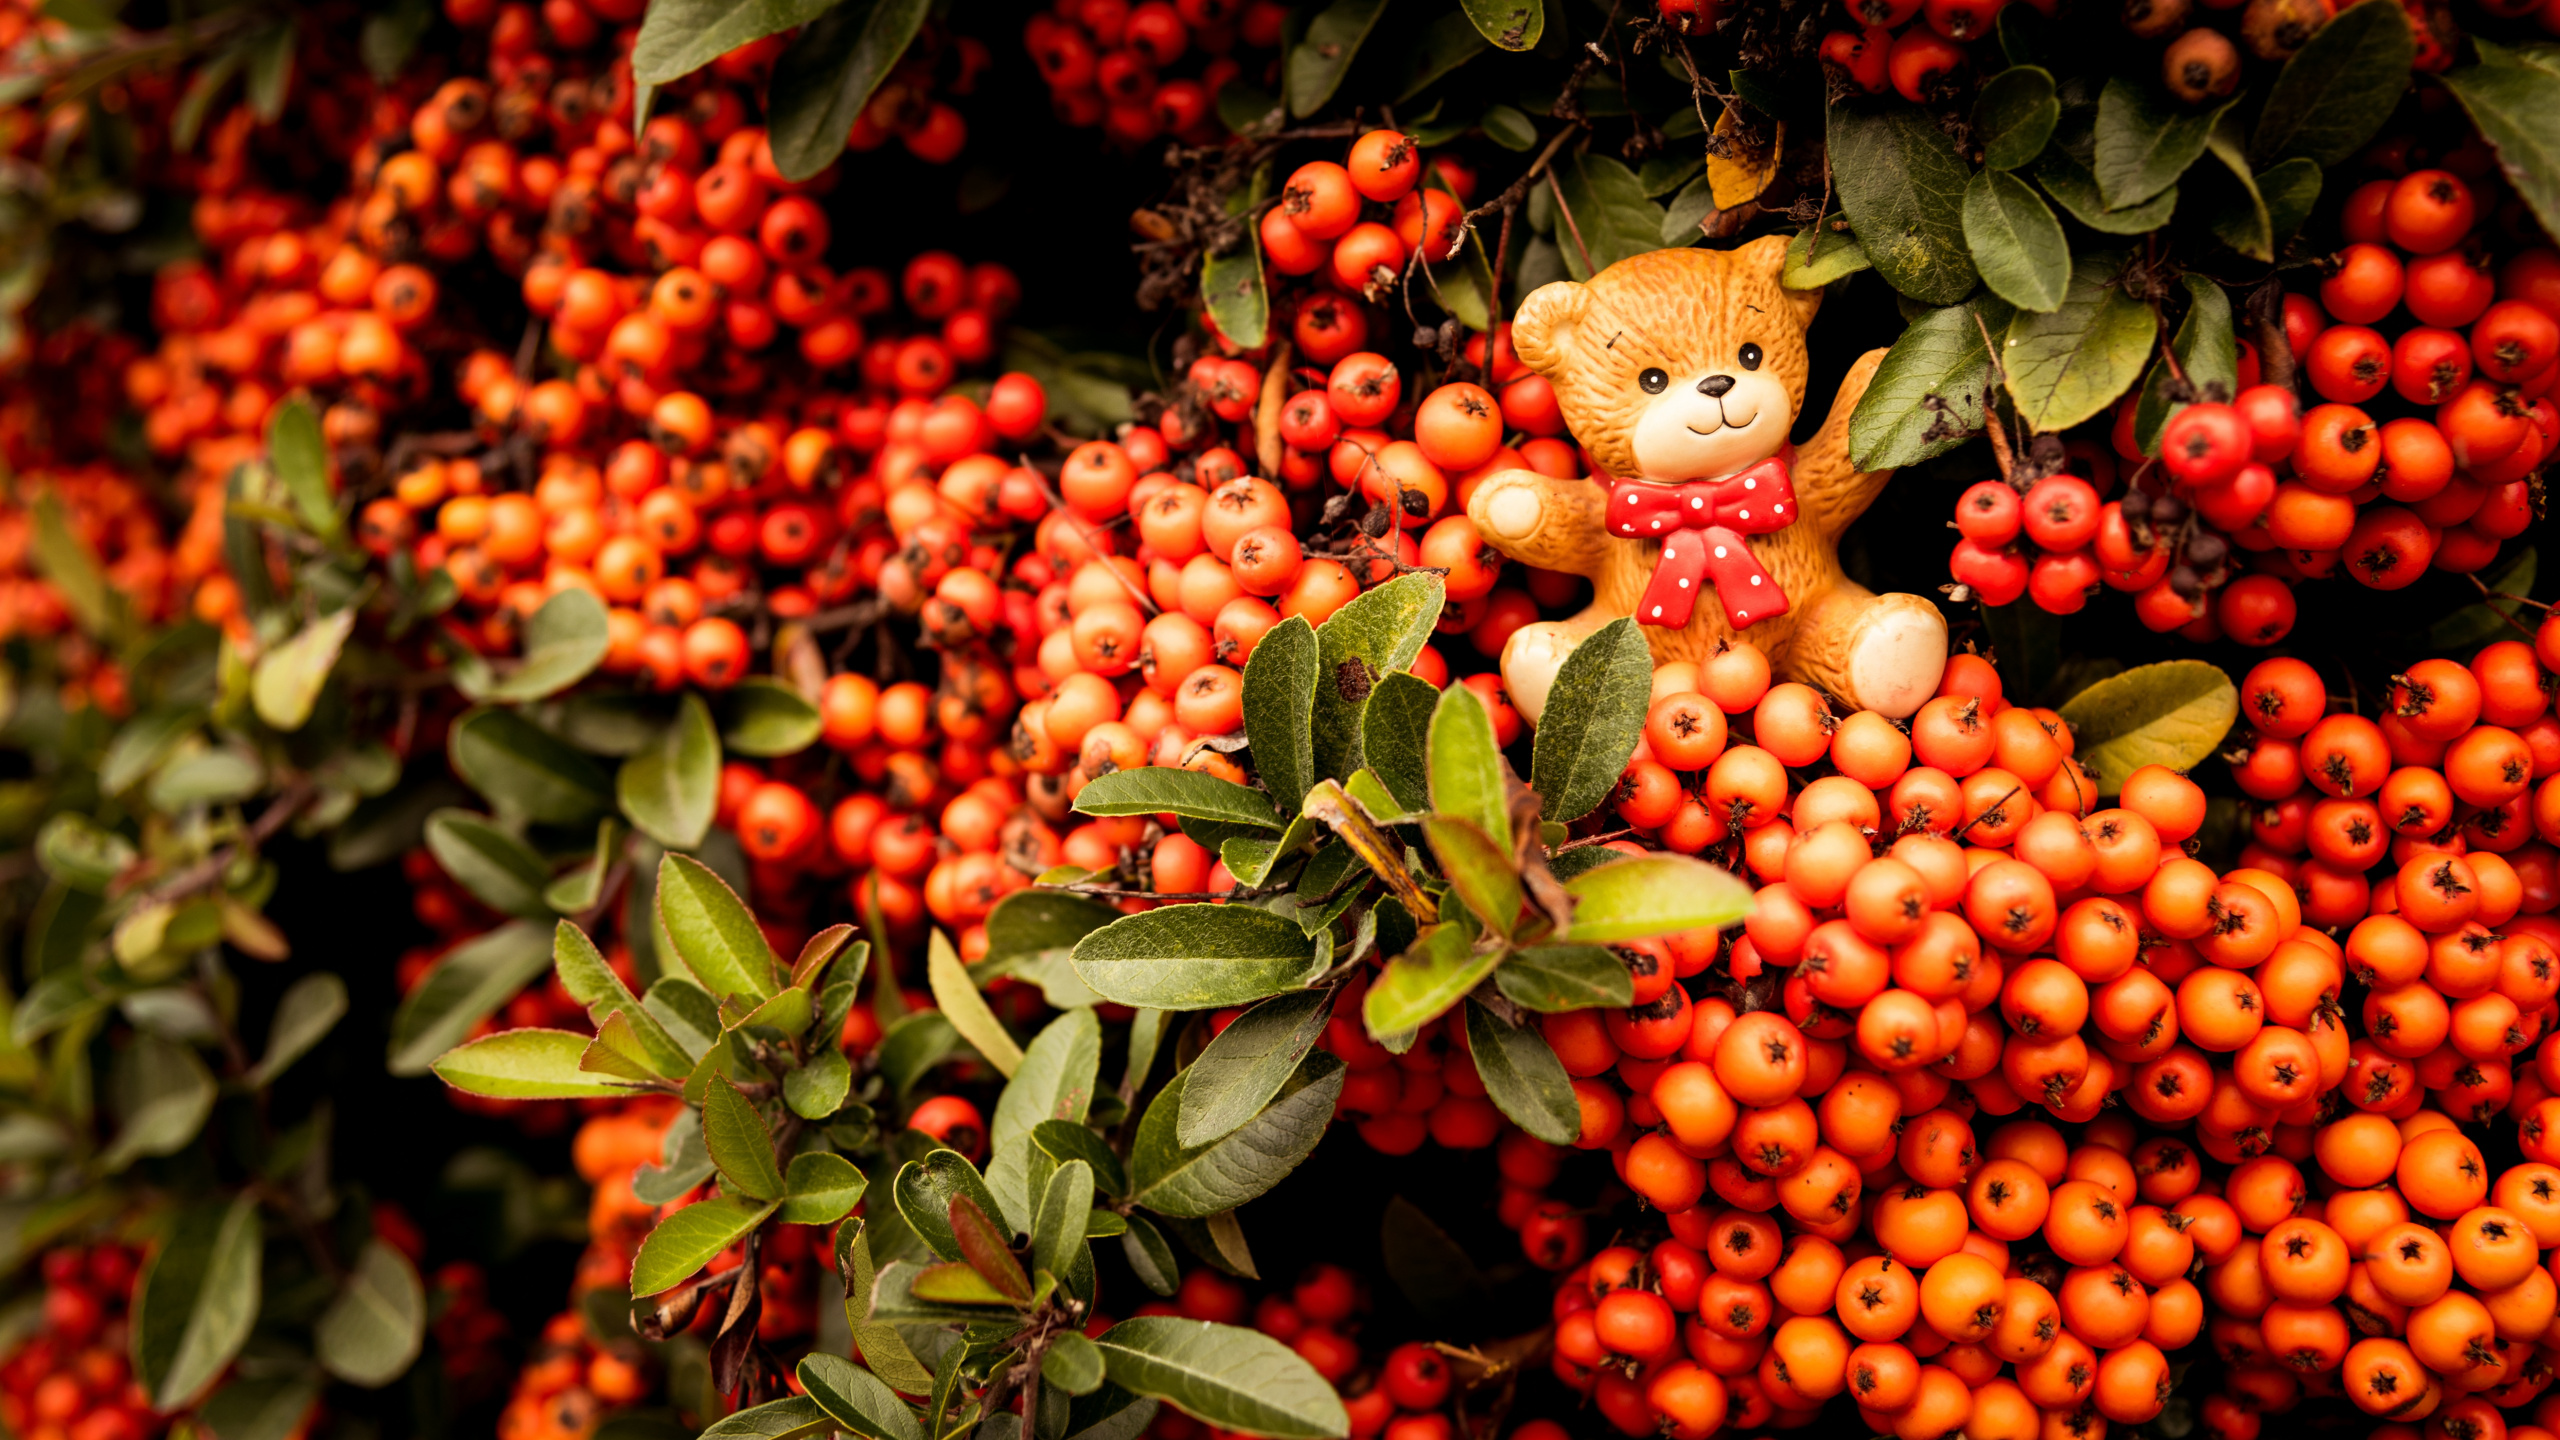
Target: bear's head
{"type": "Point", "coordinates": [1674, 364]}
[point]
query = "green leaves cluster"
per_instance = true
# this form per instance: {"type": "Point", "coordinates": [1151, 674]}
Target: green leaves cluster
{"type": "Point", "coordinates": [1388, 821]}
{"type": "Point", "coordinates": [2016, 246]}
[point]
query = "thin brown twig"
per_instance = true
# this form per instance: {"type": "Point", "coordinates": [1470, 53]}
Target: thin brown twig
{"type": "Point", "coordinates": [1567, 212]}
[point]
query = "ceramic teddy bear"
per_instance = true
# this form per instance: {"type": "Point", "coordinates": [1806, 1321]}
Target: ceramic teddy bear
{"type": "Point", "coordinates": [1681, 372]}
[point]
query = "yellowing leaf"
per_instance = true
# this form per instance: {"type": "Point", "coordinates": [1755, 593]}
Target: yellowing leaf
{"type": "Point", "coordinates": [1738, 180]}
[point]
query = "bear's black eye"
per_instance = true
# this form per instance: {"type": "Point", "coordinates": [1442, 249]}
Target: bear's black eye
{"type": "Point", "coordinates": [1653, 381]}
{"type": "Point", "coordinates": [1750, 357]}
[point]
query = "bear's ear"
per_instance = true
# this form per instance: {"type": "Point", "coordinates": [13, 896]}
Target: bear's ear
{"type": "Point", "coordinates": [1767, 256]}
{"type": "Point", "coordinates": [1542, 333]}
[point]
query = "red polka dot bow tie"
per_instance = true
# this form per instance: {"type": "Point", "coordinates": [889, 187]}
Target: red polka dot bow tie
{"type": "Point", "coordinates": [1701, 524]}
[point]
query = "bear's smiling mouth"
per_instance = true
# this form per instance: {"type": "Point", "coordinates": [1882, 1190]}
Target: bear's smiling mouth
{"type": "Point", "coordinates": [1728, 421]}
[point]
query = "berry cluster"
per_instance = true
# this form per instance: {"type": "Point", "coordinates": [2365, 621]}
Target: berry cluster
{"type": "Point", "coordinates": [1110, 63]}
{"type": "Point", "coordinates": [70, 1380]}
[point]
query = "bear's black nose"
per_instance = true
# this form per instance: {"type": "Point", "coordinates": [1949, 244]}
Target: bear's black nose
{"type": "Point", "coordinates": [1715, 385]}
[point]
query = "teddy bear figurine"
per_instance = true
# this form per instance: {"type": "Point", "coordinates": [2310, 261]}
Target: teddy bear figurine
{"type": "Point", "coordinates": [1681, 372]}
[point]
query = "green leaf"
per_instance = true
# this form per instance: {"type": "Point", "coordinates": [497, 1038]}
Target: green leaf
{"type": "Point", "coordinates": [1196, 957]}
{"type": "Point", "coordinates": [196, 1300]}
{"type": "Point", "coordinates": [1432, 1270]}
{"type": "Point", "coordinates": [2339, 89]}
{"type": "Point", "coordinates": [2517, 109]}
{"type": "Point", "coordinates": [1468, 778]}
{"type": "Point", "coordinates": [525, 1065]}
{"type": "Point", "coordinates": [1523, 1077]}
{"type": "Point", "coordinates": [581, 887]}
{"type": "Point", "coordinates": [1150, 1258]}
{"type": "Point", "coordinates": [1486, 879]}
{"type": "Point", "coordinates": [1511, 24]}
{"type": "Point", "coordinates": [2207, 353]}
{"type": "Point", "coordinates": [739, 1142]}
{"type": "Point", "coordinates": [207, 777]}
{"type": "Point", "coordinates": [564, 641]}
{"type": "Point", "coordinates": [1444, 45]}
{"type": "Point", "coordinates": [687, 1240]}
{"type": "Point", "coordinates": [793, 1417]}
{"type": "Point", "coordinates": [390, 37]}
{"type": "Point", "coordinates": [1247, 1064]}
{"type": "Point", "coordinates": [1279, 708]}
{"type": "Point", "coordinates": [1073, 1363]}
{"type": "Point", "coordinates": [967, 1010]}
{"type": "Point", "coordinates": [1054, 1083]}
{"type": "Point", "coordinates": [1155, 789]}
{"type": "Point", "coordinates": [1594, 716]}
{"type": "Point", "coordinates": [163, 1096]}
{"type": "Point", "coordinates": [309, 1009]}
{"type": "Point", "coordinates": [1420, 985]}
{"type": "Point", "coordinates": [1652, 895]}
{"type": "Point", "coordinates": [1507, 127]}
{"type": "Point", "coordinates": [678, 37]}
{"type": "Point", "coordinates": [77, 851]}
{"type": "Point", "coordinates": [2072, 364]}
{"type": "Point", "coordinates": [712, 932]}
{"type": "Point", "coordinates": [856, 1399]}
{"type": "Point", "coordinates": [2291, 188]}
{"type": "Point", "coordinates": [2479, 624]}
{"type": "Point", "coordinates": [1555, 979]}
{"type": "Point", "coordinates": [2145, 141]}
{"type": "Point", "coordinates": [1377, 634]}
{"type": "Point", "coordinates": [915, 1044]}
{"type": "Point", "coordinates": [924, 1193]}
{"type": "Point", "coordinates": [260, 1409]}
{"type": "Point", "coordinates": [828, 74]}
{"type": "Point", "coordinates": [142, 744]}
{"type": "Point", "coordinates": [270, 71]}
{"type": "Point", "coordinates": [1250, 858]}
{"type": "Point", "coordinates": [2174, 713]}
{"type": "Point", "coordinates": [1058, 1229]}
{"type": "Point", "coordinates": [1232, 292]}
{"type": "Point", "coordinates": [1232, 1378]}
{"type": "Point", "coordinates": [2236, 212]}
{"type": "Point", "coordinates": [2016, 242]}
{"type": "Point", "coordinates": [1612, 219]}
{"type": "Point", "coordinates": [1030, 922]}
{"type": "Point", "coordinates": [822, 1188]}
{"type": "Point", "coordinates": [2014, 116]}
{"type": "Point", "coordinates": [1939, 357]}
{"type": "Point", "coordinates": [1195, 1181]}
{"type": "Point", "coordinates": [470, 982]}
{"type": "Point", "coordinates": [1394, 737]}
{"type": "Point", "coordinates": [617, 1051]}
{"type": "Point", "coordinates": [2065, 176]}
{"type": "Point", "coordinates": [1902, 184]}
{"type": "Point", "coordinates": [64, 558]}
{"type": "Point", "coordinates": [286, 682]}
{"type": "Point", "coordinates": [957, 1283]}
{"type": "Point", "coordinates": [764, 717]}
{"type": "Point", "coordinates": [374, 1327]}
{"type": "Point", "coordinates": [499, 869]}
{"type": "Point", "coordinates": [527, 771]}
{"type": "Point", "coordinates": [300, 458]}
{"type": "Point", "coordinates": [671, 791]}
{"type": "Point", "coordinates": [592, 983]}
{"type": "Point", "coordinates": [1065, 1140]}
{"type": "Point", "coordinates": [1314, 67]}
{"type": "Point", "coordinates": [1821, 254]}
{"type": "Point", "coordinates": [817, 1090]}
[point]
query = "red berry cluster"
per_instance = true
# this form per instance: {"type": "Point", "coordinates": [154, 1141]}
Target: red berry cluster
{"type": "Point", "coordinates": [1111, 63]}
{"type": "Point", "coordinates": [70, 1380]}
{"type": "Point", "coordinates": [1922, 63]}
